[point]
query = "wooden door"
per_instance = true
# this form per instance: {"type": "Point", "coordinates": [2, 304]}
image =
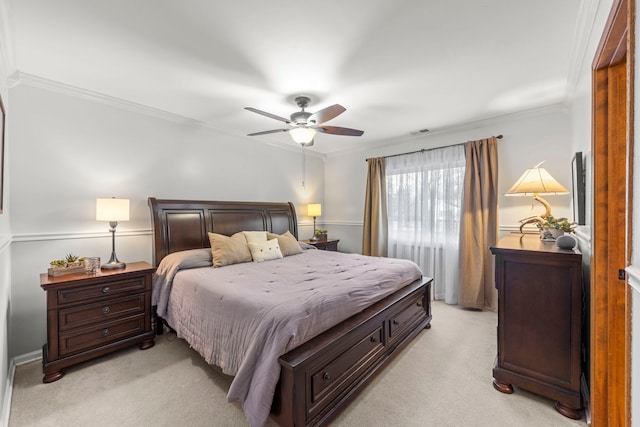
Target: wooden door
{"type": "Point", "coordinates": [612, 200]}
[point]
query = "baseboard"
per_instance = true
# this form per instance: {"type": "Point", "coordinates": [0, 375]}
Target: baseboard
{"type": "Point", "coordinates": [8, 391]}
{"type": "Point", "coordinates": [27, 358]}
{"type": "Point", "coordinates": [8, 388]}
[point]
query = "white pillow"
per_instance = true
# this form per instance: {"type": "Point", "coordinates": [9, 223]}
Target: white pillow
{"type": "Point", "coordinates": [265, 251]}
{"type": "Point", "coordinates": [255, 236]}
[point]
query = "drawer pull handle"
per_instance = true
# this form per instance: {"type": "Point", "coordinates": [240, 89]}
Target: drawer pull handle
{"type": "Point", "coordinates": [105, 332]}
{"type": "Point", "coordinates": [373, 339]}
{"type": "Point", "coordinates": [105, 290]}
{"type": "Point", "coordinates": [105, 310]}
{"type": "Point", "coordinates": [395, 321]}
{"type": "Point", "coordinates": [326, 377]}
{"type": "Point", "coordinates": [419, 304]}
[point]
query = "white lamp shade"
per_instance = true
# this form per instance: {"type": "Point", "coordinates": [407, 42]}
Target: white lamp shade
{"type": "Point", "coordinates": [112, 209]}
{"type": "Point", "coordinates": [314, 209]}
{"type": "Point", "coordinates": [536, 181]}
{"type": "Point", "coordinates": [302, 135]}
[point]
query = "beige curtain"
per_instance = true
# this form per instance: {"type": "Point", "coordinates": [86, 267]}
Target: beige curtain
{"type": "Point", "coordinates": [374, 233]}
{"type": "Point", "coordinates": [479, 225]}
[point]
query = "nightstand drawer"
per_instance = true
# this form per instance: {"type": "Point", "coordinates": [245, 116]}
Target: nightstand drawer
{"type": "Point", "coordinates": [87, 338]}
{"type": "Point", "coordinates": [101, 290]}
{"type": "Point", "coordinates": [108, 310]}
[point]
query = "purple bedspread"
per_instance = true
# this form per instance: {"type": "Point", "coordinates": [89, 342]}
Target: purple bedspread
{"type": "Point", "coordinates": [242, 317]}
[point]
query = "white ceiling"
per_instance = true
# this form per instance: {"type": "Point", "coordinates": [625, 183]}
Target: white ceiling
{"type": "Point", "coordinates": [397, 66]}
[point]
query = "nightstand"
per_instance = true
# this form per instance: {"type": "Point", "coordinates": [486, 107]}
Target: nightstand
{"type": "Point", "coordinates": [325, 245]}
{"type": "Point", "coordinates": [90, 315]}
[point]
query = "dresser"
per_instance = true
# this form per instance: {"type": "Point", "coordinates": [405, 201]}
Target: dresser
{"type": "Point", "coordinates": [90, 315]}
{"type": "Point", "coordinates": [539, 320]}
{"type": "Point", "coordinates": [324, 245]}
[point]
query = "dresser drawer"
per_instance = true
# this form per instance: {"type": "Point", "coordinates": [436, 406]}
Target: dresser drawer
{"type": "Point", "coordinates": [101, 290]}
{"type": "Point", "coordinates": [107, 310]}
{"type": "Point", "coordinates": [336, 375]}
{"type": "Point", "coordinates": [78, 340]}
{"type": "Point", "coordinates": [411, 313]}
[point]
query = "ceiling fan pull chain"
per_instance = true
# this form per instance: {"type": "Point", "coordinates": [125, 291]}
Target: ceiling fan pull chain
{"type": "Point", "coordinates": [304, 167]}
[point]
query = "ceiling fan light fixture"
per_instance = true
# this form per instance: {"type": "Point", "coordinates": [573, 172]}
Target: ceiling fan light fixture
{"type": "Point", "coordinates": [302, 135]}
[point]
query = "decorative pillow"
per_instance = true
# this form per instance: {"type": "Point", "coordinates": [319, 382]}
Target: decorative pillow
{"type": "Point", "coordinates": [255, 236]}
{"type": "Point", "coordinates": [289, 245]}
{"type": "Point", "coordinates": [229, 250]}
{"type": "Point", "coordinates": [265, 251]}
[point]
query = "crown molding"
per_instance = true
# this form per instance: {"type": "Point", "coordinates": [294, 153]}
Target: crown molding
{"type": "Point", "coordinates": [18, 78]}
{"type": "Point", "coordinates": [582, 35]}
{"type": "Point", "coordinates": [7, 51]}
{"type": "Point", "coordinates": [77, 92]}
{"type": "Point", "coordinates": [488, 121]}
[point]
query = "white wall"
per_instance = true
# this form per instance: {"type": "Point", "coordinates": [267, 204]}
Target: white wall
{"type": "Point", "coordinates": [528, 138]}
{"type": "Point", "coordinates": [5, 224]}
{"type": "Point", "coordinates": [69, 148]}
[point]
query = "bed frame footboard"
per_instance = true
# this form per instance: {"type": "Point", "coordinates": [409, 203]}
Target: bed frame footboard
{"type": "Point", "coordinates": [322, 376]}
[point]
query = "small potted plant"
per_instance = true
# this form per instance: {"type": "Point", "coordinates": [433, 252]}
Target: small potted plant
{"type": "Point", "coordinates": [73, 260]}
{"type": "Point", "coordinates": [321, 234]}
{"type": "Point", "coordinates": [58, 263]}
{"type": "Point", "coordinates": [70, 264]}
{"type": "Point", "coordinates": [551, 227]}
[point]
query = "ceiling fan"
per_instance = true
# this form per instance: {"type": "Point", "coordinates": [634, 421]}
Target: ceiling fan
{"type": "Point", "coordinates": [304, 124]}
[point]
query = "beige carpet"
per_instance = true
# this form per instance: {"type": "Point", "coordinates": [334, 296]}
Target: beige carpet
{"type": "Point", "coordinates": [442, 379]}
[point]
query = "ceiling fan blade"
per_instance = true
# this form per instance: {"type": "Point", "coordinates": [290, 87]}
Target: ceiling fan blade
{"type": "Point", "coordinates": [336, 130]}
{"type": "Point", "coordinates": [264, 113]}
{"type": "Point", "coordinates": [264, 132]}
{"type": "Point", "coordinates": [326, 114]}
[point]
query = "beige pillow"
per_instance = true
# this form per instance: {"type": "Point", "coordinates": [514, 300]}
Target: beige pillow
{"type": "Point", "coordinates": [265, 251]}
{"type": "Point", "coordinates": [255, 236]}
{"type": "Point", "coordinates": [229, 250]}
{"type": "Point", "coordinates": [288, 243]}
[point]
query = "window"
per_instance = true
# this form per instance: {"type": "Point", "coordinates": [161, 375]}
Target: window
{"type": "Point", "coordinates": [424, 202]}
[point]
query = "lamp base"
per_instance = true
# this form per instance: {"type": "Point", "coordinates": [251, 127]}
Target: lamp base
{"type": "Point", "coordinates": [114, 266]}
{"type": "Point", "coordinates": [313, 239]}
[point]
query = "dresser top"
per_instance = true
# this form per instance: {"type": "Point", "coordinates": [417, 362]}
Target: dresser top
{"type": "Point", "coordinates": [131, 267]}
{"type": "Point", "coordinates": [529, 242]}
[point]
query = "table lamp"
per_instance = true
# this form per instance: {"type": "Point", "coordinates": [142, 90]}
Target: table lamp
{"type": "Point", "coordinates": [534, 182]}
{"type": "Point", "coordinates": [112, 210]}
{"type": "Point", "coordinates": [314, 210]}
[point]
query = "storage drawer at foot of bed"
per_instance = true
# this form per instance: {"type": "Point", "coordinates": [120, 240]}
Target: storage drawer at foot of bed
{"type": "Point", "coordinates": [83, 339]}
{"type": "Point", "coordinates": [410, 314]}
{"type": "Point", "coordinates": [338, 373]}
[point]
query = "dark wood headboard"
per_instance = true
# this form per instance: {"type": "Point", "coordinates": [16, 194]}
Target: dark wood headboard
{"type": "Point", "coordinates": [180, 225]}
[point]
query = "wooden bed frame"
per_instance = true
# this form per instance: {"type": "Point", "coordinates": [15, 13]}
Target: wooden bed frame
{"type": "Point", "coordinates": [322, 376]}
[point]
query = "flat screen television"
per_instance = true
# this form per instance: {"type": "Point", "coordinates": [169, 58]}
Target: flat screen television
{"type": "Point", "coordinates": [579, 188]}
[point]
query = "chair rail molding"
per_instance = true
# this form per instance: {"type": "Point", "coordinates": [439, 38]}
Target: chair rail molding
{"type": "Point", "coordinates": [634, 277]}
{"type": "Point", "coordinates": [38, 237]}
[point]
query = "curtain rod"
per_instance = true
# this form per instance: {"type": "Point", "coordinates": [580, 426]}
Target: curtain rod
{"type": "Point", "coordinates": [424, 149]}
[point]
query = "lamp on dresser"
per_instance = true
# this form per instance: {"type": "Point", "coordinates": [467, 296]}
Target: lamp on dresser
{"type": "Point", "coordinates": [314, 210]}
{"type": "Point", "coordinates": [535, 182]}
{"type": "Point", "coordinates": [112, 210]}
